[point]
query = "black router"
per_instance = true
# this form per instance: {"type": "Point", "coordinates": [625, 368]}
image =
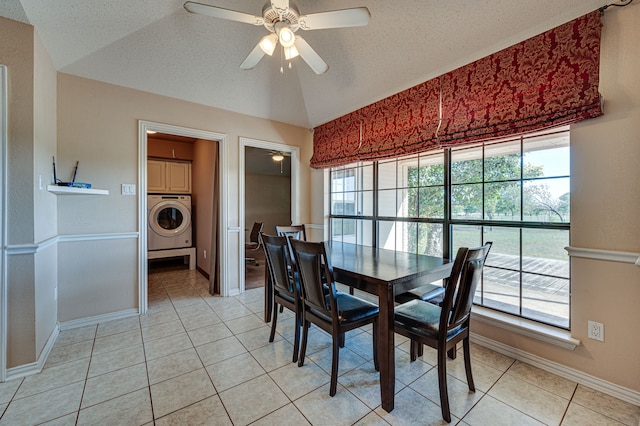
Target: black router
{"type": "Point", "coordinates": [73, 183]}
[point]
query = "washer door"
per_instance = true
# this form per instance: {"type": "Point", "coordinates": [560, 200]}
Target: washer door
{"type": "Point", "coordinates": [169, 218]}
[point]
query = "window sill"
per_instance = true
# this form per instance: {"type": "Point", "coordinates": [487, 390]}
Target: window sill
{"type": "Point", "coordinates": [532, 329]}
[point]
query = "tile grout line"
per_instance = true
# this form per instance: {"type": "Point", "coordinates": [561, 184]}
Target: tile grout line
{"type": "Point", "coordinates": [146, 367]}
{"type": "Point", "coordinates": [86, 376]}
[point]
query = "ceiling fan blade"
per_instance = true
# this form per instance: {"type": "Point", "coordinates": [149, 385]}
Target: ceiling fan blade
{"type": "Point", "coordinates": [310, 56]}
{"type": "Point", "coordinates": [253, 58]}
{"type": "Point", "coordinates": [356, 17]}
{"type": "Point", "coordinates": [221, 13]}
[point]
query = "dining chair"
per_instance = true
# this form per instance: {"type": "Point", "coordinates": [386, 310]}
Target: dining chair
{"type": "Point", "coordinates": [296, 231]}
{"type": "Point", "coordinates": [285, 286]}
{"type": "Point", "coordinates": [254, 241]}
{"type": "Point", "coordinates": [442, 327]}
{"type": "Point", "coordinates": [332, 311]}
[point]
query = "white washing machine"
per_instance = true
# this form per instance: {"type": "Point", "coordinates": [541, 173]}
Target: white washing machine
{"type": "Point", "coordinates": [169, 221]}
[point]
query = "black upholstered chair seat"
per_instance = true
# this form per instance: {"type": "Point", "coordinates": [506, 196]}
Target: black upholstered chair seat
{"type": "Point", "coordinates": [423, 318]}
{"type": "Point", "coordinates": [351, 308]}
{"type": "Point", "coordinates": [428, 292]}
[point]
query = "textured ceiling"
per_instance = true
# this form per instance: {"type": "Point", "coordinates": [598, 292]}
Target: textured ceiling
{"type": "Point", "coordinates": [158, 47]}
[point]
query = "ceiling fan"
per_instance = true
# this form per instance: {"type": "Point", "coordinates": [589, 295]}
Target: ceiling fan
{"type": "Point", "coordinates": [278, 156]}
{"type": "Point", "coordinates": [282, 18]}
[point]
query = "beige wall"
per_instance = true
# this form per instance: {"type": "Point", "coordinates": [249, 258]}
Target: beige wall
{"type": "Point", "coordinates": [17, 53]}
{"type": "Point", "coordinates": [31, 211]}
{"type": "Point", "coordinates": [45, 203]}
{"type": "Point", "coordinates": [605, 201]}
{"type": "Point", "coordinates": [319, 199]}
{"type": "Point", "coordinates": [267, 200]}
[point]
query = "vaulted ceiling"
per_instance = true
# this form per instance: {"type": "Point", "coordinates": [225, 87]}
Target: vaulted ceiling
{"type": "Point", "coordinates": [158, 47]}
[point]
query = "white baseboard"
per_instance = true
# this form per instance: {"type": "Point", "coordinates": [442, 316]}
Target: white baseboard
{"type": "Point", "coordinates": [629, 395]}
{"type": "Point", "coordinates": [35, 367]}
{"type": "Point", "coordinates": [67, 325]}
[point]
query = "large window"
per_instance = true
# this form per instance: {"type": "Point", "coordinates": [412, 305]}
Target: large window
{"type": "Point", "coordinates": [514, 193]}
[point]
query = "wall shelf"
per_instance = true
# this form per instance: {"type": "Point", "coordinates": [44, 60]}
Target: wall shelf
{"type": "Point", "coordinates": [68, 190]}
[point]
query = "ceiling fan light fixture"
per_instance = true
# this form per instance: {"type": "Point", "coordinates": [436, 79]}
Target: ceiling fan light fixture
{"type": "Point", "coordinates": [285, 35]}
{"type": "Point", "coordinates": [268, 44]}
{"type": "Point", "coordinates": [277, 157]}
{"type": "Point", "coordinates": [290, 53]}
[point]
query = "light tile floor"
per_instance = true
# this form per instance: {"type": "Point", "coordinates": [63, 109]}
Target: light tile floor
{"type": "Point", "coordinates": [198, 359]}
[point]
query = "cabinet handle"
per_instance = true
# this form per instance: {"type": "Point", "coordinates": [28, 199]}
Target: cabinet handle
{"type": "Point", "coordinates": [173, 152]}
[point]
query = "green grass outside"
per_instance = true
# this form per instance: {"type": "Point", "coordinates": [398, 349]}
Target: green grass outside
{"type": "Point", "coordinates": [542, 243]}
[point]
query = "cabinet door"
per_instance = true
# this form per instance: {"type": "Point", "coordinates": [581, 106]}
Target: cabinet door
{"type": "Point", "coordinates": [156, 176]}
{"type": "Point", "coordinates": [178, 177]}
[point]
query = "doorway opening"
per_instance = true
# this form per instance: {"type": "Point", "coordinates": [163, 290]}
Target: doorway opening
{"type": "Point", "coordinates": [267, 177]}
{"type": "Point", "coordinates": [269, 185]}
{"type": "Point", "coordinates": [182, 203]}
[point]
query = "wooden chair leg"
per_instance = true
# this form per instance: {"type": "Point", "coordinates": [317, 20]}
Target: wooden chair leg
{"type": "Point", "coordinates": [376, 362]}
{"type": "Point", "coordinates": [467, 364]}
{"type": "Point", "coordinates": [420, 349]}
{"type": "Point", "coordinates": [334, 365]}
{"type": "Point", "coordinates": [452, 353]}
{"type": "Point", "coordinates": [413, 350]}
{"type": "Point", "coordinates": [296, 339]}
{"type": "Point", "coordinates": [442, 384]}
{"type": "Point", "coordinates": [303, 345]}
{"type": "Point", "coordinates": [341, 340]}
{"type": "Point", "coordinates": [281, 309]}
{"type": "Point", "coordinates": [274, 319]}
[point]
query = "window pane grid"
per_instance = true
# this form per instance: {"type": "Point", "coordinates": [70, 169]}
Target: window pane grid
{"type": "Point", "coordinates": [514, 193]}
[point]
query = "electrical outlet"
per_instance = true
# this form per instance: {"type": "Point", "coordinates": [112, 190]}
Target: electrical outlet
{"type": "Point", "coordinates": [596, 331]}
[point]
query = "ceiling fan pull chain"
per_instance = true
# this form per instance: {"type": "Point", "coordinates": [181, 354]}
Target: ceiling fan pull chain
{"type": "Point", "coordinates": [281, 55]}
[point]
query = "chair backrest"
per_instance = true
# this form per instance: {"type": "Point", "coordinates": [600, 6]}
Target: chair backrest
{"type": "Point", "coordinates": [296, 232]}
{"type": "Point", "coordinates": [255, 232]}
{"type": "Point", "coordinates": [315, 272]}
{"type": "Point", "coordinates": [276, 250]}
{"type": "Point", "coordinates": [465, 276]}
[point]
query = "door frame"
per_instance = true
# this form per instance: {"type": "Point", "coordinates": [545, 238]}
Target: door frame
{"type": "Point", "coordinates": [294, 151]}
{"type": "Point", "coordinates": [143, 221]}
{"type": "Point", "coordinates": [3, 223]}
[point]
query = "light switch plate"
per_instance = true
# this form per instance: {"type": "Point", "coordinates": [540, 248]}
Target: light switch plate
{"type": "Point", "coordinates": [128, 189]}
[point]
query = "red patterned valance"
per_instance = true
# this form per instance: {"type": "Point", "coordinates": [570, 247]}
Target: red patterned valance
{"type": "Point", "coordinates": [548, 80]}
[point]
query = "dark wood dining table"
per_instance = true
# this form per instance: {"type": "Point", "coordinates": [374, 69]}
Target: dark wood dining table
{"type": "Point", "coordinates": [384, 273]}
